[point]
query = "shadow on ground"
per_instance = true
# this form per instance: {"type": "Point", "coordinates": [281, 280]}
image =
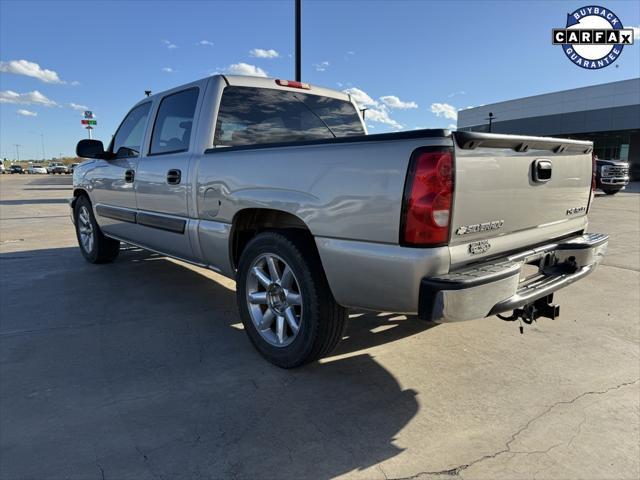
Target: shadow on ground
{"type": "Point", "coordinates": [140, 369]}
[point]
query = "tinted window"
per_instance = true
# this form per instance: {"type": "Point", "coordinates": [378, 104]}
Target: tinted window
{"type": "Point", "coordinates": [131, 131]}
{"type": "Point", "coordinates": [259, 115]}
{"type": "Point", "coordinates": [172, 130]}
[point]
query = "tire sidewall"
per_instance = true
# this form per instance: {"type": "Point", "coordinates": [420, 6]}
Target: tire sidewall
{"type": "Point", "coordinates": [294, 353]}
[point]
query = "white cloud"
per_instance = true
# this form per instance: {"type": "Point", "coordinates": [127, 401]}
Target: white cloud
{"type": "Point", "coordinates": [169, 44]}
{"type": "Point", "coordinates": [245, 69]}
{"type": "Point", "coordinates": [76, 106]}
{"type": "Point", "coordinates": [453, 94]}
{"type": "Point", "coordinates": [376, 111]}
{"type": "Point", "coordinates": [452, 126]}
{"type": "Point", "coordinates": [207, 43]}
{"type": "Point", "coordinates": [26, 113]}
{"type": "Point", "coordinates": [382, 116]}
{"type": "Point", "coordinates": [392, 101]}
{"type": "Point", "coordinates": [168, 69]}
{"type": "Point", "coordinates": [261, 53]}
{"type": "Point", "coordinates": [322, 66]}
{"type": "Point", "coordinates": [75, 83]}
{"type": "Point", "coordinates": [360, 97]}
{"type": "Point", "coordinates": [30, 69]}
{"type": "Point", "coordinates": [28, 98]}
{"type": "Point", "coordinates": [351, 52]}
{"type": "Point", "coordinates": [444, 110]}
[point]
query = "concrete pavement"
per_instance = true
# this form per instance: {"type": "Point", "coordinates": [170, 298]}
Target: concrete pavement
{"type": "Point", "coordinates": [140, 369]}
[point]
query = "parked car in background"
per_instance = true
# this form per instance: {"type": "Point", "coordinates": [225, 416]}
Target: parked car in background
{"type": "Point", "coordinates": [276, 184]}
{"type": "Point", "coordinates": [16, 169]}
{"type": "Point", "coordinates": [37, 169]}
{"type": "Point", "coordinates": [2, 169]}
{"type": "Point", "coordinates": [60, 168]}
{"type": "Point", "coordinates": [611, 175]}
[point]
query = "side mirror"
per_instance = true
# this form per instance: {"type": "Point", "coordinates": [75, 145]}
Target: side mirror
{"type": "Point", "coordinates": [90, 149]}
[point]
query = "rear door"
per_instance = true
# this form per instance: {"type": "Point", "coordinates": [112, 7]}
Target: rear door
{"type": "Point", "coordinates": [514, 191]}
{"type": "Point", "coordinates": [162, 180]}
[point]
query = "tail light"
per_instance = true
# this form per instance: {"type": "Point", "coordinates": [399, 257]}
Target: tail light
{"type": "Point", "coordinates": [428, 192]}
{"type": "Point", "coordinates": [592, 194]}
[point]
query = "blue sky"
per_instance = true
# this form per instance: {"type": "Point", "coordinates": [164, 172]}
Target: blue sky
{"type": "Point", "coordinates": [415, 62]}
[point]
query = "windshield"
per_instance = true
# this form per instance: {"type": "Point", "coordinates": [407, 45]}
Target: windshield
{"type": "Point", "coordinates": [249, 116]}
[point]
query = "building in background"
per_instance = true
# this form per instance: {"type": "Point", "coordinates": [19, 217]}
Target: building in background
{"type": "Point", "coordinates": [607, 114]}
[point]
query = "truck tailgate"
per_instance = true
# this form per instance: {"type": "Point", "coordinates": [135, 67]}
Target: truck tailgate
{"type": "Point", "coordinates": [514, 191]}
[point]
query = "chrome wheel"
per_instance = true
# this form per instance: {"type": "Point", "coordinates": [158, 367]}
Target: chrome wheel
{"type": "Point", "coordinates": [85, 228]}
{"type": "Point", "coordinates": [274, 300]}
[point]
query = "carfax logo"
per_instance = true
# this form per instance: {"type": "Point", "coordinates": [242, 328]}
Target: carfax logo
{"type": "Point", "coordinates": [593, 38]}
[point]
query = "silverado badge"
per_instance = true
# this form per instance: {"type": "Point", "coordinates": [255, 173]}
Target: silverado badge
{"type": "Point", "coordinates": [480, 227]}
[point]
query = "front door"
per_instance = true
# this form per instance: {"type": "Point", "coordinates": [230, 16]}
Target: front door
{"type": "Point", "coordinates": [162, 180]}
{"type": "Point", "coordinates": [112, 181]}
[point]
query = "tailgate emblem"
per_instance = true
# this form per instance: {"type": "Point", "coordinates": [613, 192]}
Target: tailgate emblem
{"type": "Point", "coordinates": [480, 227]}
{"type": "Point", "coordinates": [576, 210]}
{"type": "Point", "coordinates": [479, 247]}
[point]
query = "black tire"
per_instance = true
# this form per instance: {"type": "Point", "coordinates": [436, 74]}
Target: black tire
{"type": "Point", "coordinates": [102, 249]}
{"type": "Point", "coordinates": [322, 320]}
{"type": "Point", "coordinates": [611, 191]}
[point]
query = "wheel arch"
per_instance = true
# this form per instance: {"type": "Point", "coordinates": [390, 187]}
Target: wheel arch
{"type": "Point", "coordinates": [249, 222]}
{"type": "Point", "coordinates": [77, 193]}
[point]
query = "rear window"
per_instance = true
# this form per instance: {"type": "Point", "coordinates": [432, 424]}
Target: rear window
{"type": "Point", "coordinates": [249, 116]}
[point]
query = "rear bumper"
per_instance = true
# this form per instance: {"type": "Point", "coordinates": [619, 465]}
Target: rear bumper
{"type": "Point", "coordinates": [496, 287]}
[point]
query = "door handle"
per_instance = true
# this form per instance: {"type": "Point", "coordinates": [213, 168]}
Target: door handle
{"type": "Point", "coordinates": [174, 176]}
{"type": "Point", "coordinates": [129, 175]}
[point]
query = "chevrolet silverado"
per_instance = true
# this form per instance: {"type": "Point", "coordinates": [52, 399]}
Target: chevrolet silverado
{"type": "Point", "coordinates": [277, 185]}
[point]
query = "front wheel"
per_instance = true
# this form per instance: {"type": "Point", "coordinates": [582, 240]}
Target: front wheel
{"type": "Point", "coordinates": [95, 247]}
{"type": "Point", "coordinates": [611, 191]}
{"type": "Point", "coordinates": [285, 303]}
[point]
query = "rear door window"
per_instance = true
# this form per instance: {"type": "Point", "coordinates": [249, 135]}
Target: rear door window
{"type": "Point", "coordinates": [249, 116]}
{"type": "Point", "coordinates": [174, 122]}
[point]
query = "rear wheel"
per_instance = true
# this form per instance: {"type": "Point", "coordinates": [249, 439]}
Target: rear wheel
{"type": "Point", "coordinates": [95, 247]}
{"type": "Point", "coordinates": [611, 191]}
{"type": "Point", "coordinates": [285, 303]}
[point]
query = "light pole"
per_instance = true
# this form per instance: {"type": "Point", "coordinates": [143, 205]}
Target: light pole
{"type": "Point", "coordinates": [491, 118]}
{"type": "Point", "coordinates": [17, 145]}
{"type": "Point", "coordinates": [42, 142]}
{"type": "Point", "coordinates": [298, 42]}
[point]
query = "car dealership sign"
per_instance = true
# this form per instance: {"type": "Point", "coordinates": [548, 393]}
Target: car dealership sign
{"type": "Point", "coordinates": [593, 37]}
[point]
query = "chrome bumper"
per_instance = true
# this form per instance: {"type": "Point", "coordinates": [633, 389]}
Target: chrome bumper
{"type": "Point", "coordinates": [614, 180]}
{"type": "Point", "coordinates": [497, 287]}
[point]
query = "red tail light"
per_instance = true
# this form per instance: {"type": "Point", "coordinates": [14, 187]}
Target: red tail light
{"type": "Point", "coordinates": [292, 84]}
{"type": "Point", "coordinates": [428, 193]}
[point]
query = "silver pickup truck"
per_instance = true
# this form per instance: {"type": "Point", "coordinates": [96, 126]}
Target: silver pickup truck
{"type": "Point", "coordinates": [277, 185]}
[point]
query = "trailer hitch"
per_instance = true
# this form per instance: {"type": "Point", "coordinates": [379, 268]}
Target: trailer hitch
{"type": "Point", "coordinates": [529, 313]}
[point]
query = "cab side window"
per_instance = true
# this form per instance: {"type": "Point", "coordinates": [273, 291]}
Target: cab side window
{"type": "Point", "coordinates": [128, 139]}
{"type": "Point", "coordinates": [172, 129]}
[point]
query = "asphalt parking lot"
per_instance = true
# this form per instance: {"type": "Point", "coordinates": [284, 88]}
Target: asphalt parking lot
{"type": "Point", "coordinates": [140, 369]}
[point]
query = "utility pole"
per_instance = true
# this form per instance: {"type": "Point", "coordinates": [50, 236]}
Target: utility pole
{"type": "Point", "coordinates": [298, 42]}
{"type": "Point", "coordinates": [42, 142]}
{"type": "Point", "coordinates": [17, 145]}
